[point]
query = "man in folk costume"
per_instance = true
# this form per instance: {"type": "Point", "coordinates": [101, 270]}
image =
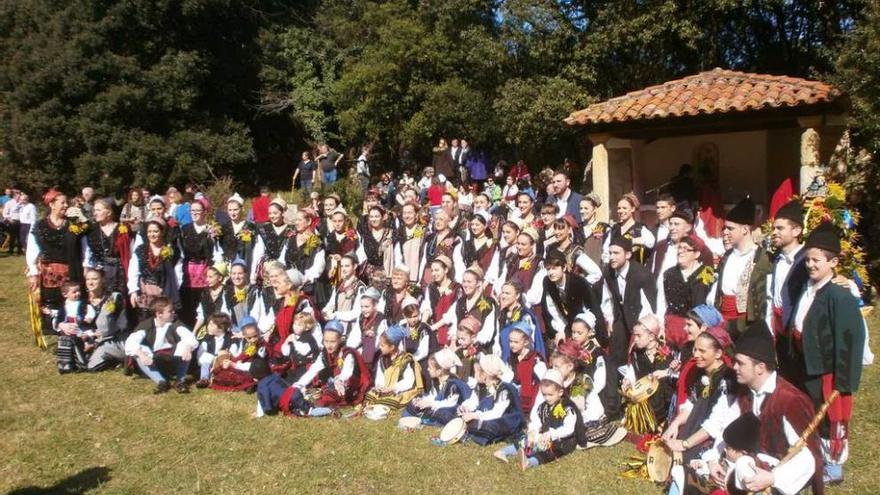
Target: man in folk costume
{"type": "Point", "coordinates": [741, 293]}
{"type": "Point", "coordinates": [666, 206]}
{"type": "Point", "coordinates": [628, 294]}
{"type": "Point", "coordinates": [828, 340]}
{"type": "Point", "coordinates": [565, 296]}
{"type": "Point", "coordinates": [161, 344]}
{"type": "Point", "coordinates": [785, 413]}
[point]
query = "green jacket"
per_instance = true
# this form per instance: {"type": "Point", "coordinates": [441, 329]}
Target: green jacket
{"type": "Point", "coordinates": [834, 337]}
{"type": "Point", "coordinates": [756, 305]}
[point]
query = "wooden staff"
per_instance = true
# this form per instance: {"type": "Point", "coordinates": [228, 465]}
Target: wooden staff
{"type": "Point", "coordinates": [802, 441]}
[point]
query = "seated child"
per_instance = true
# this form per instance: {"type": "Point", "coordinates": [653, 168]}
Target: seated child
{"type": "Point", "coordinates": [648, 357]}
{"type": "Point", "coordinates": [493, 413]}
{"type": "Point", "coordinates": [398, 377]}
{"type": "Point", "coordinates": [218, 339]}
{"type": "Point", "coordinates": [589, 360]}
{"type": "Point", "coordinates": [73, 342]}
{"type": "Point", "coordinates": [338, 378]}
{"type": "Point", "coordinates": [420, 341]}
{"type": "Point", "coordinates": [741, 452]}
{"type": "Point", "coordinates": [298, 351]}
{"type": "Point", "coordinates": [527, 366]}
{"type": "Point", "coordinates": [466, 349]}
{"type": "Point", "coordinates": [234, 374]}
{"type": "Point", "coordinates": [555, 426]}
{"type": "Point", "coordinates": [440, 404]}
{"type": "Point", "coordinates": [161, 346]}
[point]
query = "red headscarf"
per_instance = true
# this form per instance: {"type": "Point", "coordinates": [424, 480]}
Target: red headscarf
{"type": "Point", "coordinates": [50, 196]}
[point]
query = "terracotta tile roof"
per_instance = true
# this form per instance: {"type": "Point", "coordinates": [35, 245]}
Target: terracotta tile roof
{"type": "Point", "coordinates": [712, 92]}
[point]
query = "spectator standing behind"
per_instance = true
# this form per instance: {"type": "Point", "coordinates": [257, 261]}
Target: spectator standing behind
{"type": "Point", "coordinates": [260, 205]}
{"type": "Point", "coordinates": [11, 215]}
{"type": "Point", "coordinates": [442, 160]}
{"type": "Point", "coordinates": [306, 173]}
{"type": "Point", "coordinates": [463, 156]}
{"type": "Point", "coordinates": [27, 218]}
{"type": "Point", "coordinates": [363, 167]}
{"type": "Point", "coordinates": [328, 159]}
{"type": "Point", "coordinates": [134, 212]}
{"type": "Point", "coordinates": [88, 195]}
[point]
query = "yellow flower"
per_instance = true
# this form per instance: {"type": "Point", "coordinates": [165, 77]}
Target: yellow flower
{"type": "Point", "coordinates": [245, 236]}
{"type": "Point", "coordinates": [525, 265]}
{"type": "Point", "coordinates": [418, 232]}
{"type": "Point", "coordinates": [558, 411]}
{"type": "Point", "coordinates": [707, 276]}
{"type": "Point", "coordinates": [165, 252]}
{"type": "Point", "coordinates": [238, 296]}
{"type": "Point", "coordinates": [339, 362]}
{"type": "Point", "coordinates": [110, 306]}
{"type": "Point", "coordinates": [122, 229]}
{"type": "Point", "coordinates": [311, 244]}
{"type": "Point", "coordinates": [483, 304]}
{"type": "Point", "coordinates": [250, 350]}
{"type": "Point", "coordinates": [75, 228]}
{"type": "Point", "coordinates": [292, 299]}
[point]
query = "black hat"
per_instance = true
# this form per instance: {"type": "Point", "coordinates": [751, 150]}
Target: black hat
{"type": "Point", "coordinates": [826, 237]}
{"type": "Point", "coordinates": [743, 433]}
{"type": "Point", "coordinates": [757, 343]}
{"type": "Point", "coordinates": [793, 210]}
{"type": "Point", "coordinates": [743, 213]}
{"type": "Point", "coordinates": [684, 213]}
{"type": "Point", "coordinates": [622, 241]}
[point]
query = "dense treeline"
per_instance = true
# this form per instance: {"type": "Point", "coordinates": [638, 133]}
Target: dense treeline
{"type": "Point", "coordinates": [115, 93]}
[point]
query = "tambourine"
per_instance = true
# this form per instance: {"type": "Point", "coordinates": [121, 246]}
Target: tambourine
{"type": "Point", "coordinates": [409, 423]}
{"type": "Point", "coordinates": [659, 462]}
{"type": "Point", "coordinates": [453, 431]}
{"type": "Point", "coordinates": [222, 356]}
{"type": "Point", "coordinates": [376, 412]}
{"type": "Point", "coordinates": [644, 388]}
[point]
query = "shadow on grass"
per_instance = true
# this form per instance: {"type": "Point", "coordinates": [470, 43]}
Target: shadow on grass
{"type": "Point", "coordinates": [80, 482]}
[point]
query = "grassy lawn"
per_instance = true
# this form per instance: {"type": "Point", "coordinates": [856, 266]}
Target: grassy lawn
{"type": "Point", "coordinates": [107, 433]}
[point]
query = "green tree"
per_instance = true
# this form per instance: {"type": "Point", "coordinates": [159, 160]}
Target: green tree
{"type": "Point", "coordinates": [119, 93]}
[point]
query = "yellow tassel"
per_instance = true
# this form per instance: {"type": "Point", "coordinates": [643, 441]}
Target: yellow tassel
{"type": "Point", "coordinates": [36, 320]}
{"type": "Point", "coordinates": [639, 418]}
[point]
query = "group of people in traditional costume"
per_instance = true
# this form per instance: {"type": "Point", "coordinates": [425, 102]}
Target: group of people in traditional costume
{"type": "Point", "coordinates": [541, 329]}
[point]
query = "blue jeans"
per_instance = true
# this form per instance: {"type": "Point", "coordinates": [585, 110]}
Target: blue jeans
{"type": "Point", "coordinates": [330, 176]}
{"type": "Point", "coordinates": [306, 185]}
{"type": "Point", "coordinates": [511, 450]}
{"type": "Point", "coordinates": [154, 373]}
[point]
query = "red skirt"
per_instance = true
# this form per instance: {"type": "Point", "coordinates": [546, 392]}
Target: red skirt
{"type": "Point", "coordinates": [232, 380]}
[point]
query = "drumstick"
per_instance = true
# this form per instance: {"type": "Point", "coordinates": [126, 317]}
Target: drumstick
{"type": "Point", "coordinates": [802, 441]}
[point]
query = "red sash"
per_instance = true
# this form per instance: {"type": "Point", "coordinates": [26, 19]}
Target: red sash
{"type": "Point", "coordinates": [776, 322]}
{"type": "Point", "coordinates": [728, 309]}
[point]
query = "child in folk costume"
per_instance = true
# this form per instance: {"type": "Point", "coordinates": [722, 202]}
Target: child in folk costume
{"type": "Point", "coordinates": [440, 404]}
{"type": "Point", "coordinates": [492, 413]}
{"type": "Point", "coordinates": [420, 340]}
{"type": "Point", "coordinates": [398, 378]}
{"type": "Point", "coordinates": [466, 349]}
{"type": "Point", "coordinates": [73, 342]}
{"type": "Point", "coordinates": [344, 303]}
{"type": "Point", "coordinates": [216, 298]}
{"type": "Point", "coordinates": [589, 360]}
{"type": "Point", "coordinates": [338, 378]}
{"type": "Point", "coordinates": [648, 357]}
{"type": "Point", "coordinates": [741, 448]}
{"type": "Point", "coordinates": [363, 334]}
{"type": "Point", "coordinates": [527, 365]}
{"type": "Point", "coordinates": [300, 349]}
{"type": "Point", "coordinates": [217, 340]}
{"type": "Point", "coordinates": [235, 373]}
{"type": "Point", "coordinates": [555, 426]}
{"type": "Point", "coordinates": [828, 339]}
{"type": "Point", "coordinates": [440, 297]}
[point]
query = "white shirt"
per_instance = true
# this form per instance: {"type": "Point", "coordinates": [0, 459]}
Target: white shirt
{"type": "Point", "coordinates": [28, 214]}
{"type": "Point", "coordinates": [405, 381]}
{"type": "Point", "coordinates": [607, 297]}
{"type": "Point", "coordinates": [318, 366]}
{"type": "Point", "coordinates": [733, 269]}
{"type": "Point", "coordinates": [562, 203]}
{"type": "Point", "coordinates": [784, 263]}
{"type": "Point", "coordinates": [662, 231]}
{"type": "Point", "coordinates": [136, 341]}
{"type": "Point", "coordinates": [806, 301]}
